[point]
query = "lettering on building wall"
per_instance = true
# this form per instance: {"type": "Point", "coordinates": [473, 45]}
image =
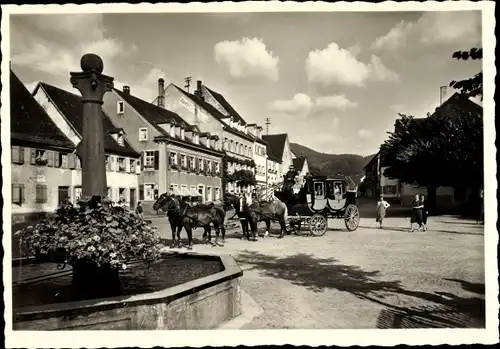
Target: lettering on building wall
{"type": "Point", "coordinates": [187, 104]}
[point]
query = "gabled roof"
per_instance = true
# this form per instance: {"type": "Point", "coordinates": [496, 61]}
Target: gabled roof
{"type": "Point", "coordinates": [372, 160]}
{"type": "Point", "coordinates": [276, 144]}
{"type": "Point", "coordinates": [225, 104]}
{"type": "Point", "coordinates": [457, 105]}
{"type": "Point", "coordinates": [153, 113]}
{"type": "Point", "coordinates": [70, 105]}
{"type": "Point", "coordinates": [298, 162]}
{"type": "Point", "coordinates": [156, 116]}
{"type": "Point", "coordinates": [28, 119]}
{"type": "Point", "coordinates": [215, 113]}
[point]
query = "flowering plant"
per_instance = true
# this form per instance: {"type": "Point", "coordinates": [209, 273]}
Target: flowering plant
{"type": "Point", "coordinates": [99, 236]}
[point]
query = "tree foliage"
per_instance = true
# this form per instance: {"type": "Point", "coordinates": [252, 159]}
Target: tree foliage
{"type": "Point", "coordinates": [244, 178]}
{"type": "Point", "coordinates": [473, 86]}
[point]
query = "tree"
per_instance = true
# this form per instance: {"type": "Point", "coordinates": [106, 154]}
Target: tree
{"type": "Point", "coordinates": [471, 87]}
{"type": "Point", "coordinates": [244, 178]}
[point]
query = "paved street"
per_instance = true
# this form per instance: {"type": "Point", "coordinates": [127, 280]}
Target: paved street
{"type": "Point", "coordinates": [369, 278]}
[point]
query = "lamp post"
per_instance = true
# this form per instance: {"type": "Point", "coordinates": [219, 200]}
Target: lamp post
{"type": "Point", "coordinates": [92, 85]}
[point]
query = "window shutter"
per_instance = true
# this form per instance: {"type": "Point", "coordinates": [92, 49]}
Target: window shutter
{"type": "Point", "coordinates": [157, 160]}
{"type": "Point", "coordinates": [33, 157]}
{"type": "Point", "coordinates": [71, 161]}
{"type": "Point", "coordinates": [57, 159]}
{"type": "Point", "coordinates": [15, 193]}
{"type": "Point", "coordinates": [44, 191]}
{"type": "Point", "coordinates": [14, 154]}
{"type": "Point", "coordinates": [50, 158]}
{"type": "Point", "coordinates": [21, 155]}
{"type": "Point", "coordinates": [21, 193]}
{"type": "Point", "coordinates": [143, 160]}
{"type": "Point", "coordinates": [141, 192]}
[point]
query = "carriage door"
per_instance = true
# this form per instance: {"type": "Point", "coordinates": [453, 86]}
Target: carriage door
{"type": "Point", "coordinates": [336, 194]}
{"type": "Point", "coordinates": [319, 196]}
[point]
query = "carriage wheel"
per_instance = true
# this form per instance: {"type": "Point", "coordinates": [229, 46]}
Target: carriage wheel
{"type": "Point", "coordinates": [318, 224]}
{"type": "Point", "coordinates": [351, 217]}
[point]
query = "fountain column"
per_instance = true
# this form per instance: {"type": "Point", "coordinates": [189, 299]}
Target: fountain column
{"type": "Point", "coordinates": [92, 85]}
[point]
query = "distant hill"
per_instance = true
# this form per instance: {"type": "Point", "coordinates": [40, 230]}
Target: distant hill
{"type": "Point", "coordinates": [333, 164]}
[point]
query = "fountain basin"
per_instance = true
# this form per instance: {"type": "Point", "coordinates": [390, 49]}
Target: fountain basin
{"type": "Point", "coordinates": [202, 303]}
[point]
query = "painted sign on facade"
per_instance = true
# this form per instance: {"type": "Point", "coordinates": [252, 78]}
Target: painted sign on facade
{"type": "Point", "coordinates": [187, 104]}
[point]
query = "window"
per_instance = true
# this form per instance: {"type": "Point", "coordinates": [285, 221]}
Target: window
{"type": "Point", "coordinates": [120, 140]}
{"type": "Point", "coordinates": [182, 133]}
{"type": "Point", "coordinates": [200, 190]}
{"type": "Point", "coordinates": [131, 168]}
{"type": "Point", "coordinates": [196, 138]}
{"type": "Point", "coordinates": [41, 194]}
{"type": "Point", "coordinates": [200, 164]}
{"type": "Point", "coordinates": [217, 194]}
{"type": "Point", "coordinates": [172, 158]}
{"type": "Point", "coordinates": [17, 193]}
{"type": "Point", "coordinates": [225, 145]}
{"type": "Point", "coordinates": [143, 134]}
{"type": "Point", "coordinates": [109, 193]}
{"type": "Point", "coordinates": [184, 161]}
{"type": "Point", "coordinates": [17, 154]}
{"type": "Point", "coordinates": [191, 163]}
{"type": "Point", "coordinates": [149, 160]}
{"type": "Point", "coordinates": [172, 131]}
{"type": "Point", "coordinates": [79, 163]}
{"type": "Point", "coordinates": [108, 163]}
{"type": "Point", "coordinates": [209, 194]}
{"type": "Point", "coordinates": [216, 167]}
{"type": "Point", "coordinates": [61, 160]}
{"type": "Point", "coordinates": [122, 167]}
{"type": "Point", "coordinates": [78, 193]}
{"type": "Point", "coordinates": [209, 165]}
{"type": "Point", "coordinates": [149, 192]}
{"type": "Point", "coordinates": [39, 157]}
{"type": "Point", "coordinates": [120, 107]}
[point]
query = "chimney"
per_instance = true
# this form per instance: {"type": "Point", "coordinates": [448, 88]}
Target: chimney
{"type": "Point", "coordinates": [442, 94]}
{"type": "Point", "coordinates": [126, 90]}
{"type": "Point", "coordinates": [199, 89]}
{"type": "Point", "coordinates": [161, 93]}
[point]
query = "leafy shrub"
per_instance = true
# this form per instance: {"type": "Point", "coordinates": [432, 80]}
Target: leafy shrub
{"type": "Point", "coordinates": [100, 236]}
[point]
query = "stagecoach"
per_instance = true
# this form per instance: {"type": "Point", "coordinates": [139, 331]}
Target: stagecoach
{"type": "Point", "coordinates": [318, 199]}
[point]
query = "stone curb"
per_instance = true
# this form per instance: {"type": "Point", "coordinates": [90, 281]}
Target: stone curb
{"type": "Point", "coordinates": [250, 310]}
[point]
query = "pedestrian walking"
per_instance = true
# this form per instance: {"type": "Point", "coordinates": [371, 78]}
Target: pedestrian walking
{"type": "Point", "coordinates": [425, 212]}
{"type": "Point", "coordinates": [139, 211]}
{"type": "Point", "coordinates": [481, 208]}
{"type": "Point", "coordinates": [416, 214]}
{"type": "Point", "coordinates": [382, 206]}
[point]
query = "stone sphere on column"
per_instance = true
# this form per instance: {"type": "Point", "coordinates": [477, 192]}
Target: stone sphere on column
{"type": "Point", "coordinates": [91, 61]}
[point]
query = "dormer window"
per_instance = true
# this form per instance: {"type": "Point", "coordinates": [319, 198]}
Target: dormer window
{"type": "Point", "coordinates": [172, 131]}
{"type": "Point", "coordinates": [120, 140]}
{"type": "Point", "coordinates": [182, 133]}
{"type": "Point", "coordinates": [120, 107]}
{"type": "Point", "coordinates": [196, 138]}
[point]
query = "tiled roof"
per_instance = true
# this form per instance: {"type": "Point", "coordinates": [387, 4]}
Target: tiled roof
{"type": "Point", "coordinates": [215, 113]}
{"type": "Point", "coordinates": [225, 104]}
{"type": "Point", "coordinates": [70, 105]}
{"type": "Point", "coordinates": [156, 116]}
{"type": "Point", "coordinates": [456, 105]}
{"type": "Point", "coordinates": [276, 144]}
{"type": "Point", "coordinates": [153, 113]}
{"type": "Point", "coordinates": [29, 121]}
{"type": "Point", "coordinates": [298, 162]}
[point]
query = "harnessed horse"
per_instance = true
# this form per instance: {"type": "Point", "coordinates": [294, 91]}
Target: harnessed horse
{"type": "Point", "coordinates": [251, 212]}
{"type": "Point", "coordinates": [180, 215]}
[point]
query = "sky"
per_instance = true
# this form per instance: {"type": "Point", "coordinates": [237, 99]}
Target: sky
{"type": "Point", "coordinates": [335, 82]}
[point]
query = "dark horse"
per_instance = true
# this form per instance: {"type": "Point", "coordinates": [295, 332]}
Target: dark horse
{"type": "Point", "coordinates": [252, 212]}
{"type": "Point", "coordinates": [181, 215]}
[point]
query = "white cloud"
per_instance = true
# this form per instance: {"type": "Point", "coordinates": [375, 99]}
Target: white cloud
{"type": "Point", "coordinates": [340, 102]}
{"type": "Point", "coordinates": [147, 88]}
{"type": "Point", "coordinates": [380, 72]}
{"type": "Point", "coordinates": [299, 104]}
{"type": "Point", "coordinates": [365, 134]}
{"type": "Point", "coordinates": [69, 42]}
{"type": "Point", "coordinates": [446, 27]}
{"type": "Point", "coordinates": [247, 58]}
{"type": "Point", "coordinates": [394, 38]}
{"type": "Point", "coordinates": [335, 65]}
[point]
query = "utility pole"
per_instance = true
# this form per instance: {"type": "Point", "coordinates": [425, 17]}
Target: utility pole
{"type": "Point", "coordinates": [268, 122]}
{"type": "Point", "coordinates": [187, 81]}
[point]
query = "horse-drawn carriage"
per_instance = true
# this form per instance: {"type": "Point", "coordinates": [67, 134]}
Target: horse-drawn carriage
{"type": "Point", "coordinates": [318, 199]}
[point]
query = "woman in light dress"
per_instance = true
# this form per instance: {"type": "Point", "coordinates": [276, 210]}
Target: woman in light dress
{"type": "Point", "coordinates": [382, 206]}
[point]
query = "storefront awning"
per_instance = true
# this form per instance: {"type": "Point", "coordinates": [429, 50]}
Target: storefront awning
{"type": "Point", "coordinates": [194, 192]}
{"type": "Point", "coordinates": [177, 192]}
{"type": "Point", "coordinates": [185, 192]}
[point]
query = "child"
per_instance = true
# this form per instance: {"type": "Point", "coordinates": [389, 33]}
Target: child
{"type": "Point", "coordinates": [139, 210]}
{"type": "Point", "coordinates": [382, 205]}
